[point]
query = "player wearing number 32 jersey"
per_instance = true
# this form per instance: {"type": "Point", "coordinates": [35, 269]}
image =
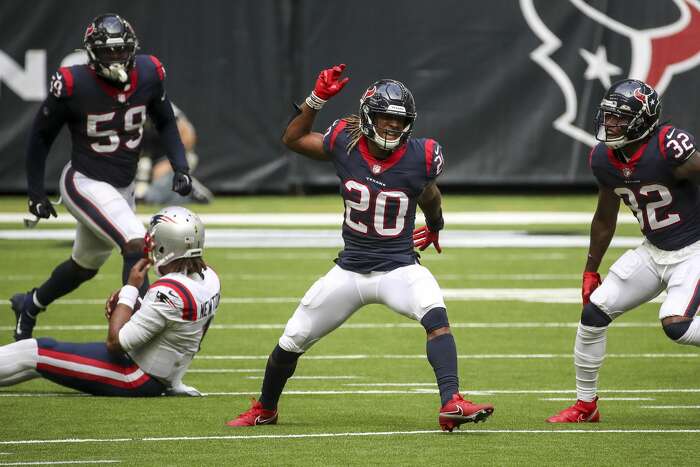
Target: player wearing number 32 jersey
{"type": "Point", "coordinates": [104, 104]}
{"type": "Point", "coordinates": [654, 170]}
{"type": "Point", "coordinates": [384, 174]}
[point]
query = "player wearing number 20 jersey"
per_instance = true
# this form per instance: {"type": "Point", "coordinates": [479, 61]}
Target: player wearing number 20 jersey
{"type": "Point", "coordinates": [384, 175]}
{"type": "Point", "coordinates": [653, 169]}
{"type": "Point", "coordinates": [380, 198]}
{"type": "Point", "coordinates": [105, 104]}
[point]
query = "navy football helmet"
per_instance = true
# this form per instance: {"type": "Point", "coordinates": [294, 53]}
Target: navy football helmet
{"type": "Point", "coordinates": [387, 96]}
{"type": "Point", "coordinates": [629, 111]}
{"type": "Point", "coordinates": [111, 45]}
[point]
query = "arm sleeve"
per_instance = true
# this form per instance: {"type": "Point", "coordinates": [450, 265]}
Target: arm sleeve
{"type": "Point", "coordinates": [47, 124]}
{"type": "Point", "coordinates": [161, 112]}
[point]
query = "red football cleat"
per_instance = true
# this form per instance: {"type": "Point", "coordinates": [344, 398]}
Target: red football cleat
{"type": "Point", "coordinates": [458, 411]}
{"type": "Point", "coordinates": [256, 415]}
{"type": "Point", "coordinates": [580, 412]}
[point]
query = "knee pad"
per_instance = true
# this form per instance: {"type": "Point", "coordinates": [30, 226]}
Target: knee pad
{"type": "Point", "coordinates": [296, 337]}
{"type": "Point", "coordinates": [435, 319]}
{"type": "Point", "coordinates": [676, 330]}
{"type": "Point", "coordinates": [593, 316]}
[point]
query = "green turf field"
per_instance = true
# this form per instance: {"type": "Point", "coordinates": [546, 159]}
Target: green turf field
{"type": "Point", "coordinates": [364, 395]}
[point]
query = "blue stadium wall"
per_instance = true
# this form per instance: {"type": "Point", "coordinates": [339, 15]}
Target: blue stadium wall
{"type": "Point", "coordinates": [508, 87]}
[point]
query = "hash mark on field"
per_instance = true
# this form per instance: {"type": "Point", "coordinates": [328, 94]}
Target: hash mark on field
{"type": "Point", "coordinates": [225, 370]}
{"type": "Point", "coordinates": [350, 434]}
{"type": "Point", "coordinates": [310, 377]}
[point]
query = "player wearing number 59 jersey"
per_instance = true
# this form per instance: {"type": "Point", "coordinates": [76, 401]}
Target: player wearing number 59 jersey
{"type": "Point", "coordinates": [105, 104]}
{"type": "Point", "coordinates": [653, 169]}
{"type": "Point", "coordinates": [384, 174]}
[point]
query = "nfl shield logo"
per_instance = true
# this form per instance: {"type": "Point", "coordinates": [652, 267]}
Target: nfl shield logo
{"type": "Point", "coordinates": [627, 172]}
{"type": "Point", "coordinates": [376, 168]}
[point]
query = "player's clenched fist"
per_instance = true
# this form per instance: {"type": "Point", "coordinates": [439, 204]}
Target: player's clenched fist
{"type": "Point", "coordinates": [591, 281]}
{"type": "Point", "coordinates": [328, 84]}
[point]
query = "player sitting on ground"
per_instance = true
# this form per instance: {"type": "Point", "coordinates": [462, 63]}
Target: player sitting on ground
{"type": "Point", "coordinates": [149, 347]}
{"type": "Point", "coordinates": [385, 174]}
{"type": "Point", "coordinates": [654, 170]}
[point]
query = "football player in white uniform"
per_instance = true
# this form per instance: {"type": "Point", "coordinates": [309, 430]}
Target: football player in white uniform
{"type": "Point", "coordinates": [151, 342]}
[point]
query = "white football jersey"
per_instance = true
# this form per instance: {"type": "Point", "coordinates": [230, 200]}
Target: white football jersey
{"type": "Point", "coordinates": [163, 336]}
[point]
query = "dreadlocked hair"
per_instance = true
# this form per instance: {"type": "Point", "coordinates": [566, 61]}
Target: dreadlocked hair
{"type": "Point", "coordinates": [189, 266]}
{"type": "Point", "coordinates": [354, 131]}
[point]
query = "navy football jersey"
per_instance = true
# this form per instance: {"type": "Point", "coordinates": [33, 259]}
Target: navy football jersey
{"type": "Point", "coordinates": [668, 209]}
{"type": "Point", "coordinates": [380, 198]}
{"type": "Point", "coordinates": [105, 121]}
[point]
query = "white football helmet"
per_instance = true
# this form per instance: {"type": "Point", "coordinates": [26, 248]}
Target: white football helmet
{"type": "Point", "coordinates": [175, 232]}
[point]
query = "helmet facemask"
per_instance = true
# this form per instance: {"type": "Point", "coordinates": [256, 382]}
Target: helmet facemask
{"type": "Point", "coordinates": [370, 129]}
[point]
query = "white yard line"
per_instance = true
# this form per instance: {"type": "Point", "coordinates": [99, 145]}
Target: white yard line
{"type": "Point", "coordinates": [465, 432]}
{"type": "Point", "coordinates": [311, 377]}
{"type": "Point", "coordinates": [95, 461]}
{"type": "Point", "coordinates": [540, 295]}
{"type": "Point", "coordinates": [568, 399]}
{"type": "Point", "coordinates": [356, 326]}
{"type": "Point", "coordinates": [546, 356]}
{"type": "Point", "coordinates": [225, 370]}
{"type": "Point", "coordinates": [271, 238]}
{"type": "Point", "coordinates": [336, 218]}
{"type": "Point", "coordinates": [670, 406]}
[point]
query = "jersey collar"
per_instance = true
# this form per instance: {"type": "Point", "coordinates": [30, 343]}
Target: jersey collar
{"type": "Point", "coordinates": [378, 166]}
{"type": "Point", "coordinates": [628, 167]}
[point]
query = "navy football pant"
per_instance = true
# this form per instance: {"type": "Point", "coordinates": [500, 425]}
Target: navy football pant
{"type": "Point", "coordinates": [91, 368]}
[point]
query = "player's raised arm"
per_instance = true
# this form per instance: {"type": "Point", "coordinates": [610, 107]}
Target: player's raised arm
{"type": "Point", "coordinates": [298, 136]}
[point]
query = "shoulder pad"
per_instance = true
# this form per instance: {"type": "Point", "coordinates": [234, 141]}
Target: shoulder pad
{"type": "Point", "coordinates": [434, 159]}
{"type": "Point", "coordinates": [676, 145]}
{"type": "Point", "coordinates": [330, 137]}
{"type": "Point", "coordinates": [62, 83]}
{"type": "Point", "coordinates": [160, 69]}
{"type": "Point", "coordinates": [176, 295]}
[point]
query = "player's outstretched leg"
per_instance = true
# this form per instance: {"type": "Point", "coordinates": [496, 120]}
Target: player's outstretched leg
{"type": "Point", "coordinates": [18, 362]}
{"type": "Point", "coordinates": [65, 278]}
{"type": "Point", "coordinates": [442, 355]}
{"type": "Point", "coordinates": [589, 352]}
{"type": "Point", "coordinates": [280, 367]}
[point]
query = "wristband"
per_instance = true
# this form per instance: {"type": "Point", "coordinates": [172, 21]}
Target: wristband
{"type": "Point", "coordinates": [315, 102]}
{"type": "Point", "coordinates": [128, 295]}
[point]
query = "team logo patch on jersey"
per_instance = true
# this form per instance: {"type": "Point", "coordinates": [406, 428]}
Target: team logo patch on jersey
{"type": "Point", "coordinates": [164, 298]}
{"type": "Point", "coordinates": [655, 54]}
{"type": "Point", "coordinates": [627, 172]}
{"type": "Point", "coordinates": [376, 168]}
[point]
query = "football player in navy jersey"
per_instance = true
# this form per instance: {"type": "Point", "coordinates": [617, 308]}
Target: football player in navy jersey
{"type": "Point", "coordinates": [653, 169]}
{"type": "Point", "coordinates": [105, 104]}
{"type": "Point", "coordinates": [384, 174]}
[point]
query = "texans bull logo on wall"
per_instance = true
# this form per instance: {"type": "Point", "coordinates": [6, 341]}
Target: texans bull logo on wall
{"type": "Point", "coordinates": [597, 48]}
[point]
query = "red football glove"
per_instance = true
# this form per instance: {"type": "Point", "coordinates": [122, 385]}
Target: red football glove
{"type": "Point", "coordinates": [591, 281]}
{"type": "Point", "coordinates": [328, 83]}
{"type": "Point", "coordinates": [423, 237]}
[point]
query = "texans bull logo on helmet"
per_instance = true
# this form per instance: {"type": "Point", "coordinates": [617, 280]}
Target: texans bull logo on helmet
{"type": "Point", "coordinates": [609, 46]}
